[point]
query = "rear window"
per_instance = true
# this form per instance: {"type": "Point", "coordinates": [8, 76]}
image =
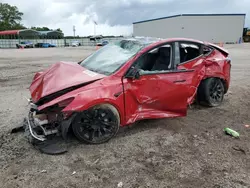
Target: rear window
{"type": "Point", "coordinates": [207, 50]}
{"type": "Point", "coordinates": [189, 51]}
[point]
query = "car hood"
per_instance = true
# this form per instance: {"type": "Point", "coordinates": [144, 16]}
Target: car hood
{"type": "Point", "coordinates": [58, 77]}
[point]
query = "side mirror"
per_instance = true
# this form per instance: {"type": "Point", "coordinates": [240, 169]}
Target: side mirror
{"type": "Point", "coordinates": [133, 73]}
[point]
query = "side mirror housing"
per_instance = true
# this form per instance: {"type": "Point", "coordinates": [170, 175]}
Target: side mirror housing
{"type": "Point", "coordinates": [133, 73]}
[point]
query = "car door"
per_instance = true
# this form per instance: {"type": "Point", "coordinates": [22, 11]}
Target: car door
{"type": "Point", "coordinates": [158, 94]}
{"type": "Point", "coordinates": [191, 57]}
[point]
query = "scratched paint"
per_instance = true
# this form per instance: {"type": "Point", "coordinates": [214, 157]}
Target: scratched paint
{"type": "Point", "coordinates": [151, 96]}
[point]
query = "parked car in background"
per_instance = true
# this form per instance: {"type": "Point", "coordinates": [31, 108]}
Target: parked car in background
{"type": "Point", "coordinates": [52, 45]}
{"type": "Point", "coordinates": [44, 45]}
{"type": "Point", "coordinates": [124, 82]}
{"type": "Point", "coordinates": [103, 43]}
{"type": "Point", "coordinates": [25, 44]}
{"type": "Point", "coordinates": [75, 44]}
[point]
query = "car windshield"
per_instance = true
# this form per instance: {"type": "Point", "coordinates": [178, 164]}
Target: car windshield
{"type": "Point", "coordinates": [111, 57]}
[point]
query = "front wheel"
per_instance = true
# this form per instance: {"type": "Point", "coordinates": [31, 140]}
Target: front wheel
{"type": "Point", "coordinates": [211, 92]}
{"type": "Point", "coordinates": [97, 124]}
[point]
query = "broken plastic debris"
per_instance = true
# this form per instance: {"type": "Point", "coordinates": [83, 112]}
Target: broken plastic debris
{"type": "Point", "coordinates": [52, 147]}
{"type": "Point", "coordinates": [44, 171]}
{"type": "Point", "coordinates": [73, 172]}
{"type": "Point", "coordinates": [96, 161]}
{"type": "Point", "coordinates": [237, 148]}
{"type": "Point", "coordinates": [17, 129]}
{"type": "Point", "coordinates": [231, 132]}
{"type": "Point", "coordinates": [247, 126]}
{"type": "Point", "coordinates": [41, 122]}
{"type": "Point", "coordinates": [209, 153]}
{"type": "Point", "coordinates": [120, 184]}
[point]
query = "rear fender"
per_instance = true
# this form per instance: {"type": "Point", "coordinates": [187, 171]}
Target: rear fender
{"type": "Point", "coordinates": [220, 49]}
{"type": "Point", "coordinates": [220, 70]}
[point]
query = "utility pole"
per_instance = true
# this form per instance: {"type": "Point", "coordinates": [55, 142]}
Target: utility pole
{"type": "Point", "coordinates": [74, 30]}
{"type": "Point", "coordinates": [95, 23]}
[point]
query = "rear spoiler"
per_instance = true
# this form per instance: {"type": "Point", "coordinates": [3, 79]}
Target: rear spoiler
{"type": "Point", "coordinates": [222, 50]}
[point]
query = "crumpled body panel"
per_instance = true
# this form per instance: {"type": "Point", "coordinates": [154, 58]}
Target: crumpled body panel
{"type": "Point", "coordinates": [153, 95]}
{"type": "Point", "coordinates": [60, 76]}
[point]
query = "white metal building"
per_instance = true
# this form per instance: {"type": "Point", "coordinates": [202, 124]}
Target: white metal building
{"type": "Point", "coordinates": [214, 28]}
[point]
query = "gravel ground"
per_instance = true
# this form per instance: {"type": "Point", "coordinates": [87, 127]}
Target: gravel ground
{"type": "Point", "coordinates": [182, 152]}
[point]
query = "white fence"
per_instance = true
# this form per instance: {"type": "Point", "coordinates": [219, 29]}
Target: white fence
{"type": "Point", "coordinates": [11, 43]}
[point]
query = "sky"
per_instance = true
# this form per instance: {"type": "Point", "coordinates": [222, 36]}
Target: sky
{"type": "Point", "coordinates": [115, 17]}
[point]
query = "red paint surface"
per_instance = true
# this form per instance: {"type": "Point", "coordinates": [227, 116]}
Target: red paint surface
{"type": "Point", "coordinates": [60, 76]}
{"type": "Point", "coordinates": [9, 32]}
{"type": "Point", "coordinates": [151, 96]}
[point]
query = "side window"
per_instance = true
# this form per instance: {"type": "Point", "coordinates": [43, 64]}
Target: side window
{"type": "Point", "coordinates": [189, 51]}
{"type": "Point", "coordinates": [157, 59]}
{"type": "Point", "coordinates": [206, 50]}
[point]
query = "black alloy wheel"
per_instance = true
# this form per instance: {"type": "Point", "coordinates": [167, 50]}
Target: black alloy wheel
{"type": "Point", "coordinates": [211, 92]}
{"type": "Point", "coordinates": [96, 125]}
{"type": "Point", "coordinates": [216, 91]}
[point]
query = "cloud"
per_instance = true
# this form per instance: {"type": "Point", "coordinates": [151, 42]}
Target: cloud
{"type": "Point", "coordinates": [115, 17]}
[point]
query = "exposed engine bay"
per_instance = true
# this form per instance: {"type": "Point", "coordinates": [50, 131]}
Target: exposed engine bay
{"type": "Point", "coordinates": [45, 129]}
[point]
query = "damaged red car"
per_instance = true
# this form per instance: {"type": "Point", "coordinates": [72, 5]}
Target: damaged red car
{"type": "Point", "coordinates": [126, 81]}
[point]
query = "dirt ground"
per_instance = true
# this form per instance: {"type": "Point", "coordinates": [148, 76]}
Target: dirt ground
{"type": "Point", "coordinates": [183, 152]}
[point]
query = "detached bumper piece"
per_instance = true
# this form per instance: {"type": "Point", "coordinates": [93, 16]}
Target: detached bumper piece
{"type": "Point", "coordinates": [46, 131]}
{"type": "Point", "coordinates": [30, 128]}
{"type": "Point", "coordinates": [44, 140]}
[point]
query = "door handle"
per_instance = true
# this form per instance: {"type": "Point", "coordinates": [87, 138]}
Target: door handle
{"type": "Point", "coordinates": [178, 81]}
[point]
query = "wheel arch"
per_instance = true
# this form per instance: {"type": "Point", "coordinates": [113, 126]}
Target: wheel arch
{"type": "Point", "coordinates": [107, 106]}
{"type": "Point", "coordinates": [203, 96]}
{"type": "Point", "coordinates": [224, 81]}
{"type": "Point", "coordinates": [112, 106]}
{"type": "Point", "coordinates": [99, 102]}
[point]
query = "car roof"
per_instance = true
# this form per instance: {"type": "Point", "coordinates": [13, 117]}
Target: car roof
{"type": "Point", "coordinates": [151, 41]}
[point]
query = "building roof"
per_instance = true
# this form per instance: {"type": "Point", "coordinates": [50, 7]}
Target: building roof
{"type": "Point", "coordinates": [23, 31]}
{"type": "Point", "coordinates": [17, 32]}
{"type": "Point", "coordinates": [47, 32]}
{"type": "Point", "coordinates": [188, 15]}
{"type": "Point", "coordinates": [9, 32]}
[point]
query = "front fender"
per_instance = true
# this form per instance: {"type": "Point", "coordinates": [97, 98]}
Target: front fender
{"type": "Point", "coordinates": [90, 98]}
{"type": "Point", "coordinates": [109, 90]}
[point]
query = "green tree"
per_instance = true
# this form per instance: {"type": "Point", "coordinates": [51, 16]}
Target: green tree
{"type": "Point", "coordinates": [41, 28]}
{"type": "Point", "coordinates": [10, 17]}
{"type": "Point", "coordinates": [59, 29]}
{"type": "Point", "coordinates": [45, 29]}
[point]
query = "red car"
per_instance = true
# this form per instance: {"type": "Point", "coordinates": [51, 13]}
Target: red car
{"type": "Point", "coordinates": [124, 82]}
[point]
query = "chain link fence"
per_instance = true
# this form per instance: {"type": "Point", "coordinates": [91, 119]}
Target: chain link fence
{"type": "Point", "coordinates": [13, 43]}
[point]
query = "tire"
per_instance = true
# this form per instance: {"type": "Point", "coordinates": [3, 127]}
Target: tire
{"type": "Point", "coordinates": [96, 125]}
{"type": "Point", "coordinates": [211, 92]}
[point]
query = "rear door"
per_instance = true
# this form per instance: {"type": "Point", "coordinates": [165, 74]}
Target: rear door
{"type": "Point", "coordinates": [191, 57]}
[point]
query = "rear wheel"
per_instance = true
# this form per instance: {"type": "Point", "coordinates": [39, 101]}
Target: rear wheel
{"type": "Point", "coordinates": [97, 124]}
{"type": "Point", "coordinates": [211, 92]}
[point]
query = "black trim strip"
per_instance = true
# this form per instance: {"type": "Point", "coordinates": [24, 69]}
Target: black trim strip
{"type": "Point", "coordinates": [168, 72]}
{"type": "Point", "coordinates": [57, 94]}
{"type": "Point", "coordinates": [179, 81]}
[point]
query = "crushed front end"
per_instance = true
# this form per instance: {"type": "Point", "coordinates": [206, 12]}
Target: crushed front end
{"type": "Point", "coordinates": [47, 123]}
